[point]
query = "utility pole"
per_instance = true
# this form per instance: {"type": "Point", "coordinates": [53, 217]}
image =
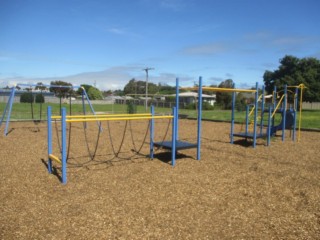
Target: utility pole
{"type": "Point", "coordinates": [147, 78]}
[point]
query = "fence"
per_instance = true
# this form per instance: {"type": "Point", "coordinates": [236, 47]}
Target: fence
{"type": "Point", "coordinates": [311, 106]}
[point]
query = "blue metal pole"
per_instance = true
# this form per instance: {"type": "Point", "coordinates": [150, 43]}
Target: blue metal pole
{"type": "Point", "coordinates": [174, 137]}
{"type": "Point", "coordinates": [46, 85]}
{"type": "Point", "coordinates": [91, 107]}
{"type": "Point", "coordinates": [269, 127]}
{"type": "Point", "coordinates": [88, 100]}
{"type": "Point", "coordinates": [255, 117]}
{"type": "Point", "coordinates": [199, 119]}
{"type": "Point", "coordinates": [49, 128]}
{"type": "Point", "coordinates": [274, 102]}
{"type": "Point", "coordinates": [10, 109]}
{"type": "Point", "coordinates": [232, 115]}
{"type": "Point", "coordinates": [177, 108]}
{"type": "Point", "coordinates": [6, 108]}
{"type": "Point", "coordinates": [152, 133]}
{"type": "Point", "coordinates": [247, 119]}
{"type": "Point", "coordinates": [284, 112]}
{"type": "Point", "coordinates": [64, 145]}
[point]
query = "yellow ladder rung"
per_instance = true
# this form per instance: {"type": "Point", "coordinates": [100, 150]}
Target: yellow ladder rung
{"type": "Point", "coordinates": [53, 157]}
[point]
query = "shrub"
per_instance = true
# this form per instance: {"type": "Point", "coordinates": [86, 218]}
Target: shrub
{"type": "Point", "coordinates": [26, 97]}
{"type": "Point", "coordinates": [39, 98]}
{"type": "Point", "coordinates": [205, 106]}
{"type": "Point", "coordinates": [131, 107]}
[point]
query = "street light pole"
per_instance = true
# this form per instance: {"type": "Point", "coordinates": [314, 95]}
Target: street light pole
{"type": "Point", "coordinates": [147, 78]}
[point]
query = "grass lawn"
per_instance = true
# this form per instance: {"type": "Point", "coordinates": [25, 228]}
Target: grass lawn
{"type": "Point", "coordinates": [310, 118]}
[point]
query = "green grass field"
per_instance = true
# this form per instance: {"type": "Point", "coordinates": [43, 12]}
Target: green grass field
{"type": "Point", "coordinates": [310, 118]}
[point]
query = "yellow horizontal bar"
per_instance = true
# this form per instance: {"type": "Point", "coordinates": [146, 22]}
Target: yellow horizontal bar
{"type": "Point", "coordinates": [301, 85]}
{"type": "Point", "coordinates": [102, 115]}
{"type": "Point", "coordinates": [116, 119]}
{"type": "Point", "coordinates": [53, 157]}
{"type": "Point", "coordinates": [214, 89]}
{"type": "Point", "coordinates": [109, 115]}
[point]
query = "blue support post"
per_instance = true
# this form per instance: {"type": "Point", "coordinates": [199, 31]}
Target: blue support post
{"type": "Point", "coordinates": [88, 100]}
{"type": "Point", "coordinates": [10, 109]}
{"type": "Point", "coordinates": [255, 117]}
{"type": "Point", "coordinates": [49, 128]}
{"type": "Point", "coordinates": [6, 108]}
{"type": "Point", "coordinates": [199, 119]}
{"type": "Point", "coordinates": [152, 133]}
{"type": "Point", "coordinates": [247, 119]}
{"type": "Point", "coordinates": [64, 145]}
{"type": "Point", "coordinates": [269, 127]}
{"type": "Point", "coordinates": [284, 111]}
{"type": "Point", "coordinates": [177, 108]}
{"type": "Point", "coordinates": [174, 137]}
{"type": "Point", "coordinates": [232, 115]}
{"type": "Point", "coordinates": [84, 93]}
{"type": "Point", "coordinates": [274, 103]}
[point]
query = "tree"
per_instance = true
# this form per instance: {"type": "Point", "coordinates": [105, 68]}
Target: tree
{"type": "Point", "coordinates": [40, 86]}
{"type": "Point", "coordinates": [225, 98]}
{"type": "Point", "coordinates": [118, 92]}
{"type": "Point", "coordinates": [294, 71]}
{"type": "Point", "coordinates": [39, 98]}
{"type": "Point", "coordinates": [27, 97]}
{"type": "Point", "coordinates": [61, 92]}
{"type": "Point", "coordinates": [166, 89]}
{"type": "Point", "coordinates": [86, 88]}
{"type": "Point", "coordinates": [139, 87]}
{"type": "Point", "coordinates": [94, 94]}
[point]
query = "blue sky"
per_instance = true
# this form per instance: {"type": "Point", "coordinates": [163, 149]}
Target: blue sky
{"type": "Point", "coordinates": [109, 42]}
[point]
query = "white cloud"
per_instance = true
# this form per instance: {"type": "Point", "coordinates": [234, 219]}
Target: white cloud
{"type": "Point", "coordinates": [112, 78]}
{"type": "Point", "coordinates": [118, 31]}
{"type": "Point", "coordinates": [285, 41]}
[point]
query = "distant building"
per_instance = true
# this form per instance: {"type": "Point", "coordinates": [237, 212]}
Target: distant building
{"type": "Point", "coordinates": [192, 97]}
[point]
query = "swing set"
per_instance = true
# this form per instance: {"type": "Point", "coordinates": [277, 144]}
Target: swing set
{"type": "Point", "coordinates": [7, 113]}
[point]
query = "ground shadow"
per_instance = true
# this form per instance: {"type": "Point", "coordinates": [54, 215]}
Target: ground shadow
{"type": "Point", "coordinates": [243, 143]}
{"type": "Point", "coordinates": [166, 156]}
{"type": "Point", "coordinates": [54, 169]}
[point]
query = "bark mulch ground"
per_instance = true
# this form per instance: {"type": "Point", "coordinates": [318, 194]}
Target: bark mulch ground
{"type": "Point", "coordinates": [233, 192]}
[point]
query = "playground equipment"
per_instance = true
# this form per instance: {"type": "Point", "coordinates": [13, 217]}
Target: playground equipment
{"type": "Point", "coordinates": [256, 133]}
{"type": "Point", "coordinates": [89, 118]}
{"type": "Point", "coordinates": [288, 116]}
{"type": "Point", "coordinates": [8, 109]}
{"type": "Point", "coordinates": [181, 145]}
{"type": "Point", "coordinates": [234, 91]}
{"type": "Point", "coordinates": [174, 144]}
{"type": "Point", "coordinates": [258, 110]}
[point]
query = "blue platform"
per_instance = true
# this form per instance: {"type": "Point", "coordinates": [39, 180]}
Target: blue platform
{"type": "Point", "coordinates": [249, 135]}
{"type": "Point", "coordinates": [180, 145]}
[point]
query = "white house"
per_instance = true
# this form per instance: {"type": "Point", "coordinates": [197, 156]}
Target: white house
{"type": "Point", "coordinates": [191, 97]}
